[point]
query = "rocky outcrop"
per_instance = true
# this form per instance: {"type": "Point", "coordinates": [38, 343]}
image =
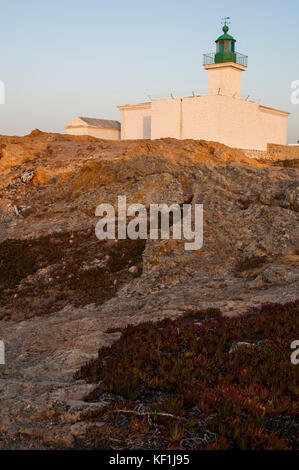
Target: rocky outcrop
{"type": "Point", "coordinates": [249, 257]}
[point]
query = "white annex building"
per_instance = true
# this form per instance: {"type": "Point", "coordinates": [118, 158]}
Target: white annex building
{"type": "Point", "coordinates": [101, 128]}
{"type": "Point", "coordinates": [221, 115]}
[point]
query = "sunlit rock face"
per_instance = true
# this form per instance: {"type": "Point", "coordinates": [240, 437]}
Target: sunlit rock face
{"type": "Point", "coordinates": [61, 288]}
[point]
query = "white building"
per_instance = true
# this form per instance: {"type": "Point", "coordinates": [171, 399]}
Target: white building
{"type": "Point", "coordinates": [221, 116]}
{"type": "Point", "coordinates": [101, 128]}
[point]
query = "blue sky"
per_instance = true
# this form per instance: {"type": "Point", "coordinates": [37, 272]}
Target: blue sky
{"type": "Point", "coordinates": [65, 58]}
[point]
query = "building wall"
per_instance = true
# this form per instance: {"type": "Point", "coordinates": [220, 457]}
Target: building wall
{"type": "Point", "coordinates": [283, 152]}
{"type": "Point", "coordinates": [166, 118]}
{"type": "Point", "coordinates": [225, 80]}
{"type": "Point", "coordinates": [257, 154]}
{"type": "Point", "coordinates": [136, 121]}
{"type": "Point", "coordinates": [246, 125]}
{"type": "Point", "coordinates": [201, 118]}
{"type": "Point", "coordinates": [231, 121]}
{"type": "Point", "coordinates": [100, 133]}
{"type": "Point", "coordinates": [275, 152]}
{"type": "Point", "coordinates": [234, 122]}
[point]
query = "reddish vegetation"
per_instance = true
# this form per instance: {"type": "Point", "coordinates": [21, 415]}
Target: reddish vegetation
{"type": "Point", "coordinates": [72, 278]}
{"type": "Point", "coordinates": [215, 398]}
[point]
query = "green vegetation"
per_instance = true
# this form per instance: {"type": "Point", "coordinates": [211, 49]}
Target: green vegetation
{"type": "Point", "coordinates": [76, 268]}
{"type": "Point", "coordinates": [182, 386]}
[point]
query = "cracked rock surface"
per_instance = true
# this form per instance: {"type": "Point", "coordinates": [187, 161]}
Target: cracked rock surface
{"type": "Point", "coordinates": [249, 257]}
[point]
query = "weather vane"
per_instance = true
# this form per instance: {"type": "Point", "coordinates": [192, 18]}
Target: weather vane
{"type": "Point", "coordinates": [225, 20]}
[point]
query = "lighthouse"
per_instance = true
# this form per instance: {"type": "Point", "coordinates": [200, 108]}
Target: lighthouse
{"type": "Point", "coordinates": [220, 115]}
{"type": "Point", "coordinates": [225, 66]}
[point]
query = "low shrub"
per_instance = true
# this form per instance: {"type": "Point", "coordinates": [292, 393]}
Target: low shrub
{"type": "Point", "coordinates": [197, 393]}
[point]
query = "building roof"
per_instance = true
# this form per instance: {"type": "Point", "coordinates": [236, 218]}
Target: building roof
{"type": "Point", "coordinates": [273, 110]}
{"type": "Point", "coordinates": [146, 105]}
{"type": "Point", "coordinates": [225, 36]}
{"type": "Point", "coordinates": [102, 123]}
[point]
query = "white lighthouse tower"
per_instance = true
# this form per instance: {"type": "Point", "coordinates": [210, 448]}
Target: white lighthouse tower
{"type": "Point", "coordinates": [226, 66]}
{"type": "Point", "coordinates": [221, 115]}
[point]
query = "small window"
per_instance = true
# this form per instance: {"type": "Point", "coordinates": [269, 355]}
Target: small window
{"type": "Point", "coordinates": [221, 47]}
{"type": "Point", "coordinates": [233, 46]}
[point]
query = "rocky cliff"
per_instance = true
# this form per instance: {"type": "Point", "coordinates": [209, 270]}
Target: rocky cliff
{"type": "Point", "coordinates": [61, 289]}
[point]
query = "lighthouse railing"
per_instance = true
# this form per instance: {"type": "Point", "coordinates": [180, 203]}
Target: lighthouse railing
{"type": "Point", "coordinates": [241, 59]}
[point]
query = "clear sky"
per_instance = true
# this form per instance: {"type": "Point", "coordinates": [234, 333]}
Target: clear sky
{"type": "Point", "coordinates": [64, 58]}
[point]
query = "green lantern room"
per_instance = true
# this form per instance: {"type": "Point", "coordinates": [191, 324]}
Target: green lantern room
{"type": "Point", "coordinates": [225, 47]}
